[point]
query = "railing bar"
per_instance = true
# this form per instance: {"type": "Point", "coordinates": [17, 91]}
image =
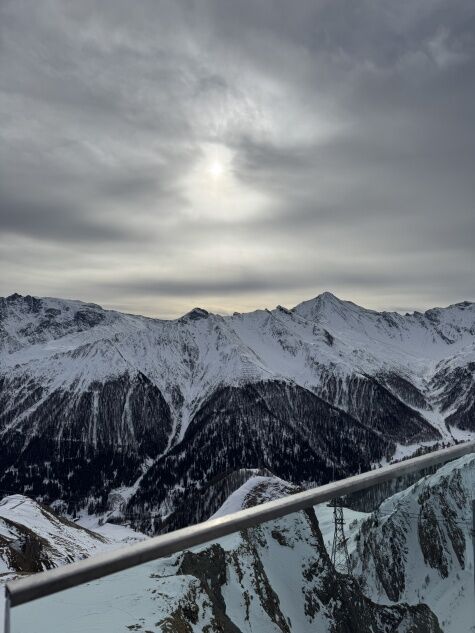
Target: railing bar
{"type": "Point", "coordinates": [6, 614]}
{"type": "Point", "coordinates": [55, 580]}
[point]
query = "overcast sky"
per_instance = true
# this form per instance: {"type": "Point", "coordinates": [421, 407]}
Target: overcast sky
{"type": "Point", "coordinates": [156, 156]}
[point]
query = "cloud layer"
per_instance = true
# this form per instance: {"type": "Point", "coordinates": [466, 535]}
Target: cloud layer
{"type": "Point", "coordinates": [343, 132]}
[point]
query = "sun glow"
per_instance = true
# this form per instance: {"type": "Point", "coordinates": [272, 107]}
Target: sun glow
{"type": "Point", "coordinates": [215, 192]}
{"type": "Point", "coordinates": [216, 169]}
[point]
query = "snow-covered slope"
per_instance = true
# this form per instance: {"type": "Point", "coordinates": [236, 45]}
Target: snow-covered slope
{"type": "Point", "coordinates": [418, 547]}
{"type": "Point", "coordinates": [256, 490]}
{"type": "Point", "coordinates": [33, 538]}
{"type": "Point", "coordinates": [124, 401]}
{"type": "Point", "coordinates": [70, 343]}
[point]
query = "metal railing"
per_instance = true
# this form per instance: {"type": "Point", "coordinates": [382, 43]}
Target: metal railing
{"type": "Point", "coordinates": [43, 584]}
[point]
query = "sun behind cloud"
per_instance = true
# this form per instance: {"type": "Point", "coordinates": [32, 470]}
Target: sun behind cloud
{"type": "Point", "coordinates": [216, 169]}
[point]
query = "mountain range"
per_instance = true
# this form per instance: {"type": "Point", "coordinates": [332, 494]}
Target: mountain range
{"type": "Point", "coordinates": [156, 420]}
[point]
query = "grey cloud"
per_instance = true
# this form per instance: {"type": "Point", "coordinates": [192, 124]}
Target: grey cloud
{"type": "Point", "coordinates": [352, 121]}
{"type": "Point", "coordinates": [52, 220]}
{"type": "Point", "coordinates": [309, 281]}
{"type": "Point", "coordinates": [196, 287]}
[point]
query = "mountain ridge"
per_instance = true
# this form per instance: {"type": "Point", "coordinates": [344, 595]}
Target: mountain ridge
{"type": "Point", "coordinates": [115, 396]}
{"type": "Point", "coordinates": [325, 296]}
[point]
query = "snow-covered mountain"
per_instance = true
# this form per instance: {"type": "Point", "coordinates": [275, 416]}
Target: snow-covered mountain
{"type": "Point", "coordinates": [274, 578]}
{"type": "Point", "coordinates": [33, 538]}
{"type": "Point", "coordinates": [412, 568]}
{"type": "Point", "coordinates": [418, 547]}
{"type": "Point", "coordinates": [150, 418]}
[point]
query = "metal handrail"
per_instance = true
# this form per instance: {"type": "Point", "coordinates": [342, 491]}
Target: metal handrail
{"type": "Point", "coordinates": [52, 581]}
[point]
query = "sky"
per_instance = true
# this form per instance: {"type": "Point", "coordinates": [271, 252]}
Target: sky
{"type": "Point", "coordinates": [156, 156]}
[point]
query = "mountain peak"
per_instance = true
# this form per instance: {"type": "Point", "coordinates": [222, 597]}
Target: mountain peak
{"type": "Point", "coordinates": [329, 300]}
{"type": "Point", "coordinates": [320, 305]}
{"type": "Point", "coordinates": [325, 299]}
{"type": "Point", "coordinates": [14, 297]}
{"type": "Point", "coordinates": [327, 296]}
{"type": "Point", "coordinates": [194, 315]}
